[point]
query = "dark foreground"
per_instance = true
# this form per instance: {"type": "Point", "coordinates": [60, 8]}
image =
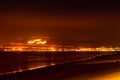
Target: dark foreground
{"type": "Point", "coordinates": [70, 71]}
{"type": "Point", "coordinates": [106, 67]}
{"type": "Point", "coordinates": [11, 62]}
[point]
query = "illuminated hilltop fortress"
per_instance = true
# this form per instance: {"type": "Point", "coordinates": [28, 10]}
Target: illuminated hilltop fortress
{"type": "Point", "coordinates": [37, 41]}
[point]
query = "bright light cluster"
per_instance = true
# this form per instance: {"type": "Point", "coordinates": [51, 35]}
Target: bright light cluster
{"type": "Point", "coordinates": [37, 41]}
{"type": "Point", "coordinates": [97, 49]}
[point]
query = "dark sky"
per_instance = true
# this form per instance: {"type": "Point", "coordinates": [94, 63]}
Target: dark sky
{"type": "Point", "coordinates": [93, 22]}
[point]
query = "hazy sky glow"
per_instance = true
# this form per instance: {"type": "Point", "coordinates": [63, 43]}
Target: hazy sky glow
{"type": "Point", "coordinates": [86, 21]}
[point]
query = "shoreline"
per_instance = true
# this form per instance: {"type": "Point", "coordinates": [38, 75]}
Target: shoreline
{"type": "Point", "coordinates": [67, 70]}
{"type": "Point", "coordinates": [61, 71]}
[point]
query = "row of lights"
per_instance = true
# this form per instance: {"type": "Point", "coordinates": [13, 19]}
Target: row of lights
{"type": "Point", "coordinates": [60, 49]}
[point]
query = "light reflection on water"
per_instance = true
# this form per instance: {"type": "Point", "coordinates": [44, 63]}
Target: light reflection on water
{"type": "Point", "coordinates": [12, 62]}
{"type": "Point", "coordinates": [18, 62]}
{"type": "Point", "coordinates": [109, 76]}
{"type": "Point", "coordinates": [113, 76]}
{"type": "Point", "coordinates": [97, 76]}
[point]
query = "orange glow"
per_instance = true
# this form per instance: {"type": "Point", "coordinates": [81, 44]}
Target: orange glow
{"type": "Point", "coordinates": [20, 49]}
{"type": "Point", "coordinates": [97, 49]}
{"type": "Point", "coordinates": [13, 49]}
{"type": "Point", "coordinates": [16, 49]}
{"type": "Point", "coordinates": [53, 49]}
{"type": "Point", "coordinates": [32, 68]}
{"type": "Point", "coordinates": [40, 45]}
{"type": "Point", "coordinates": [110, 76]}
{"type": "Point", "coordinates": [37, 41]}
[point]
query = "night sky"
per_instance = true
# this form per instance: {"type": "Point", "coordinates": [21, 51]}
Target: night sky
{"type": "Point", "coordinates": [89, 22]}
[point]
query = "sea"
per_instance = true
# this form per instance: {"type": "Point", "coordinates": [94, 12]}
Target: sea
{"type": "Point", "coordinates": [13, 62]}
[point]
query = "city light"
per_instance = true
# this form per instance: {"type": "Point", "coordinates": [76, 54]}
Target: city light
{"type": "Point", "coordinates": [53, 49]}
{"type": "Point", "coordinates": [37, 41]}
{"type": "Point", "coordinates": [42, 45]}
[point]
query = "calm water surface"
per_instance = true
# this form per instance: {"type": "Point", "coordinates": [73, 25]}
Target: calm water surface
{"type": "Point", "coordinates": [12, 62]}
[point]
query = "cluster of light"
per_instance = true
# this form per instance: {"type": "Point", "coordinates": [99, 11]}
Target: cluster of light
{"type": "Point", "coordinates": [14, 49]}
{"type": "Point", "coordinates": [52, 49]}
{"type": "Point", "coordinates": [17, 49]}
{"type": "Point", "coordinates": [33, 45]}
{"type": "Point", "coordinates": [55, 48]}
{"type": "Point", "coordinates": [97, 49]}
{"type": "Point", "coordinates": [37, 41]}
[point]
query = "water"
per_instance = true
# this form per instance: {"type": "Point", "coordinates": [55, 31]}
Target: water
{"type": "Point", "coordinates": [12, 62]}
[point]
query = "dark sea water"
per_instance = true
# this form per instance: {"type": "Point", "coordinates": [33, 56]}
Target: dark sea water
{"type": "Point", "coordinates": [12, 62]}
